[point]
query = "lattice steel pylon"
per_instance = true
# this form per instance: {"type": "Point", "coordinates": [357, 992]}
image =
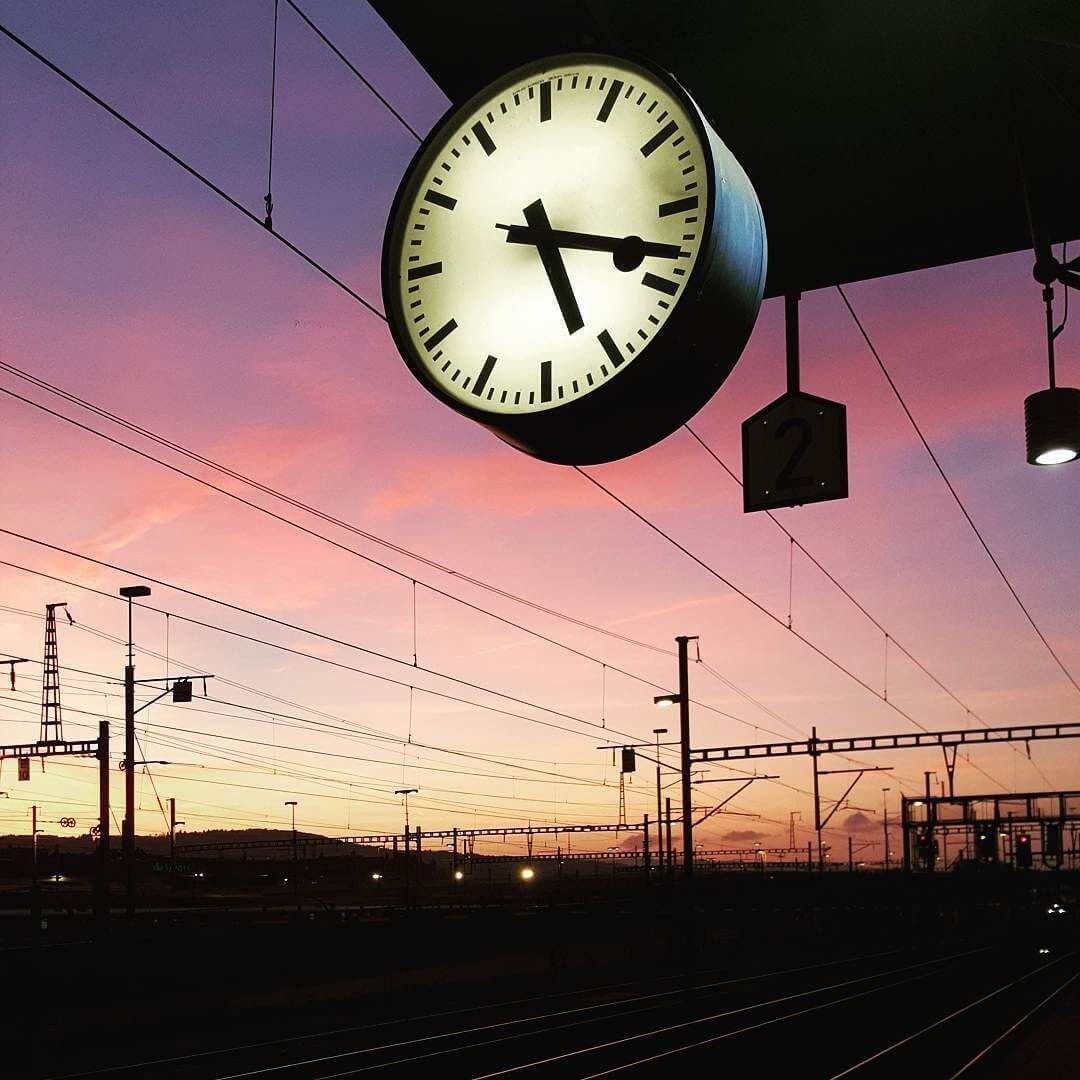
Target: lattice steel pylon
{"type": "Point", "coordinates": [52, 725]}
{"type": "Point", "coordinates": [622, 800]}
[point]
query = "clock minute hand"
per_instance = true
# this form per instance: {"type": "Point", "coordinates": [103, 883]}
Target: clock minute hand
{"type": "Point", "coordinates": [542, 237]}
{"type": "Point", "coordinates": [579, 241]}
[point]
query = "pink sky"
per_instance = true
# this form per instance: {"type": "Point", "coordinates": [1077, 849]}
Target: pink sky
{"type": "Point", "coordinates": [127, 283]}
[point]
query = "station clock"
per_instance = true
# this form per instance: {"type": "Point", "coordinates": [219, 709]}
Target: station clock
{"type": "Point", "coordinates": [574, 259]}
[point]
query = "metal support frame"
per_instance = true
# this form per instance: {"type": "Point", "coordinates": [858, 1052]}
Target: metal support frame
{"type": "Point", "coordinates": [683, 642]}
{"type": "Point", "coordinates": [738, 791]}
{"type": "Point", "coordinates": [905, 741]}
{"type": "Point", "coordinates": [52, 720]}
{"type": "Point", "coordinates": [1006, 812]}
{"type": "Point", "coordinates": [394, 838]}
{"type": "Point", "coordinates": [631, 856]}
{"type": "Point", "coordinates": [96, 748]}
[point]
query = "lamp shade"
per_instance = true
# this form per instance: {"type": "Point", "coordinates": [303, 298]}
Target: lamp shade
{"type": "Point", "coordinates": [1052, 425]}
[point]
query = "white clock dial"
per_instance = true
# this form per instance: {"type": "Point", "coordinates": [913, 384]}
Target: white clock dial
{"type": "Point", "coordinates": [548, 233]}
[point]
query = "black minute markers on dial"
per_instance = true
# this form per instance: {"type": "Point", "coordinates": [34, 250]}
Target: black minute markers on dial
{"type": "Point", "coordinates": [591, 324]}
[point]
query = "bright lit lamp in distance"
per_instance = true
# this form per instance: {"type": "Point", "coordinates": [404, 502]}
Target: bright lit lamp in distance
{"type": "Point", "coordinates": [665, 701]}
{"type": "Point", "coordinates": [458, 875]}
{"type": "Point", "coordinates": [376, 877]}
{"type": "Point", "coordinates": [1052, 426]}
{"type": "Point", "coordinates": [527, 873]}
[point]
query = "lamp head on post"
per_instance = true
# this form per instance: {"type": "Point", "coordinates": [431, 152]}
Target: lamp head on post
{"type": "Point", "coordinates": [665, 701]}
{"type": "Point", "coordinates": [129, 593]}
{"type": "Point", "coordinates": [1052, 425]}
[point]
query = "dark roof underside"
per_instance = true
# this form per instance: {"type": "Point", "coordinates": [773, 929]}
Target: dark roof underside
{"type": "Point", "coordinates": [881, 135]}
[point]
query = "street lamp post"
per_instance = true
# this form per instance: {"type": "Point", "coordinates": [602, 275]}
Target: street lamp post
{"type": "Point", "coordinates": [885, 822]}
{"type": "Point", "coordinates": [292, 804]}
{"type": "Point", "coordinates": [658, 731]}
{"type": "Point", "coordinates": [682, 699]}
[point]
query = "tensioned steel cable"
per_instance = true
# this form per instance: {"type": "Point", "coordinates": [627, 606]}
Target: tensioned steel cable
{"type": "Point", "coordinates": [953, 492]}
{"type": "Point", "coordinates": [189, 169]}
{"type": "Point", "coordinates": [340, 546]}
{"type": "Point", "coordinates": [889, 638]}
{"type": "Point", "coordinates": [352, 67]}
{"type": "Point", "coordinates": [325, 637]}
{"type": "Point", "coordinates": [131, 125]}
{"type": "Point", "coordinates": [315, 264]}
{"type": "Point", "coordinates": [179, 448]}
{"type": "Point", "coordinates": [713, 572]}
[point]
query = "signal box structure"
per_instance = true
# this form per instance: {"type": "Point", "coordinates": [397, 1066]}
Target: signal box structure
{"type": "Point", "coordinates": [1026, 831]}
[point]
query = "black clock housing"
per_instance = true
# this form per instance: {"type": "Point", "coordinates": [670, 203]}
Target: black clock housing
{"type": "Point", "coordinates": [690, 355]}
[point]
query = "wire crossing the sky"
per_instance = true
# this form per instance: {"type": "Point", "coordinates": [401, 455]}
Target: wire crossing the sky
{"type": "Point", "coordinates": [952, 491]}
{"type": "Point", "coordinates": [369, 306]}
{"type": "Point", "coordinates": [189, 169]}
{"type": "Point", "coordinates": [889, 638]}
{"type": "Point", "coordinates": [712, 571]}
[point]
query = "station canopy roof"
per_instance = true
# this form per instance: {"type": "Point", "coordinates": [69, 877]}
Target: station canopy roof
{"type": "Point", "coordinates": [882, 136]}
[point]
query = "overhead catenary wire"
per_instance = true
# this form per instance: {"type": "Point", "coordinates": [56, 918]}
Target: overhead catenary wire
{"type": "Point", "coordinates": [888, 637]}
{"type": "Point", "coordinates": [189, 169]}
{"type": "Point", "coordinates": [318, 635]}
{"type": "Point", "coordinates": [221, 193]}
{"type": "Point", "coordinates": [953, 492]}
{"type": "Point", "coordinates": [116, 114]}
{"type": "Point", "coordinates": [355, 70]}
{"type": "Point", "coordinates": [443, 805]}
{"type": "Point", "coordinates": [314, 533]}
{"type": "Point", "coordinates": [713, 572]}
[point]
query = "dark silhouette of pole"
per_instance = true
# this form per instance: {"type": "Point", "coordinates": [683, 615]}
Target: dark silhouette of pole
{"type": "Point", "coordinates": [885, 822]}
{"type": "Point", "coordinates": [817, 797]}
{"type": "Point", "coordinates": [103, 824]}
{"type": "Point", "coordinates": [684, 753]}
{"type": "Point", "coordinates": [292, 805]}
{"type": "Point", "coordinates": [670, 850]}
{"type": "Point", "coordinates": [172, 839]}
{"type": "Point", "coordinates": [130, 592]}
{"type": "Point", "coordinates": [407, 792]}
{"type": "Point", "coordinates": [659, 804]}
{"type": "Point", "coordinates": [35, 891]}
{"type": "Point", "coordinates": [645, 846]}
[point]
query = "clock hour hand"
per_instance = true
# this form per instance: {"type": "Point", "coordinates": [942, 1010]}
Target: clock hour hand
{"type": "Point", "coordinates": [628, 251]}
{"type": "Point", "coordinates": [542, 237]}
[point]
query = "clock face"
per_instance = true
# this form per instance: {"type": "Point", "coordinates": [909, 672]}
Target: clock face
{"type": "Point", "coordinates": [546, 234]}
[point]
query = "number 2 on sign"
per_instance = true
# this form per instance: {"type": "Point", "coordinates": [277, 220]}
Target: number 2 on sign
{"type": "Point", "coordinates": [804, 433]}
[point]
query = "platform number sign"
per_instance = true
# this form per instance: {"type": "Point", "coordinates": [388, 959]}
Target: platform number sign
{"type": "Point", "coordinates": [24, 768]}
{"type": "Point", "coordinates": [795, 452]}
